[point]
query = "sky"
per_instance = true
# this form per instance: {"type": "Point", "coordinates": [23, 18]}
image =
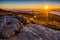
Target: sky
{"type": "Point", "coordinates": [28, 4]}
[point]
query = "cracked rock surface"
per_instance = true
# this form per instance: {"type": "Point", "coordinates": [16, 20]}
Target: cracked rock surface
{"type": "Point", "coordinates": [8, 25]}
{"type": "Point", "coordinates": [37, 32]}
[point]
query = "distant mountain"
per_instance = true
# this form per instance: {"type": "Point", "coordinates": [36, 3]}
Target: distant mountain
{"type": "Point", "coordinates": [4, 12]}
{"type": "Point", "coordinates": [1, 10]}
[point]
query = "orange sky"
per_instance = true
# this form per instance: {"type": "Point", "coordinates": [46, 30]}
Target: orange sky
{"type": "Point", "coordinates": [29, 5]}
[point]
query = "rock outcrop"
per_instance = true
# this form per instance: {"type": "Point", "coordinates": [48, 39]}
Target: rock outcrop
{"type": "Point", "coordinates": [37, 32]}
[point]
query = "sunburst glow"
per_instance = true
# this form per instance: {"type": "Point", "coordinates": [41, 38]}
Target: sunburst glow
{"type": "Point", "coordinates": [46, 7]}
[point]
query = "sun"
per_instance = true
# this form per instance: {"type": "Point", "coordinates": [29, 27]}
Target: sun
{"type": "Point", "coordinates": [46, 7]}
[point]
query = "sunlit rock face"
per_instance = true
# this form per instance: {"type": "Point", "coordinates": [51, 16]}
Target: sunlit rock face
{"type": "Point", "coordinates": [37, 32]}
{"type": "Point", "coordinates": [10, 25]}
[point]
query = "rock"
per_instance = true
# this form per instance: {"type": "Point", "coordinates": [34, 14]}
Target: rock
{"type": "Point", "coordinates": [37, 32]}
{"type": "Point", "coordinates": [11, 29]}
{"type": "Point", "coordinates": [8, 26]}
